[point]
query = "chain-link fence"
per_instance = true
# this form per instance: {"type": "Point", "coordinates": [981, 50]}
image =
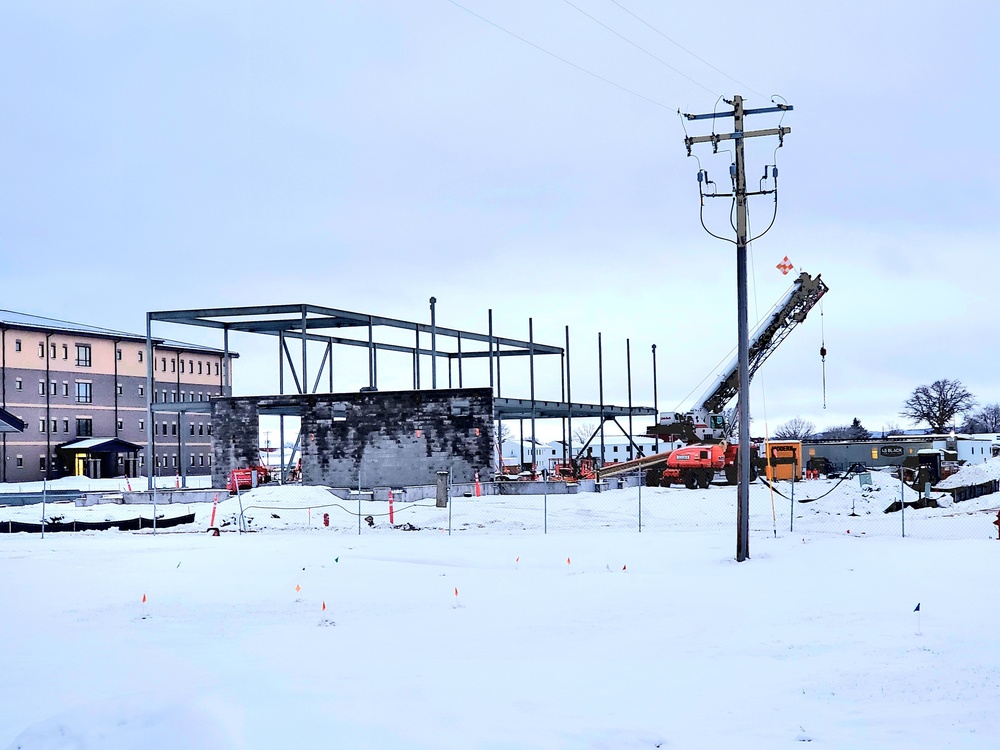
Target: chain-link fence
{"type": "Point", "coordinates": [868, 504]}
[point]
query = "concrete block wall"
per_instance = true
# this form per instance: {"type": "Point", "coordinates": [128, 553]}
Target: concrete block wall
{"type": "Point", "coordinates": [235, 437]}
{"type": "Point", "coordinates": [377, 439]}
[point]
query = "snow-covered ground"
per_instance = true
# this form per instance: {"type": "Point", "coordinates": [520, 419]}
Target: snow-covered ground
{"type": "Point", "coordinates": [839, 506]}
{"type": "Point", "coordinates": [501, 636]}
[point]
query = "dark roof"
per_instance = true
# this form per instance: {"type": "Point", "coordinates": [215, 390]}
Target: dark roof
{"type": "Point", "coordinates": [101, 445]}
{"type": "Point", "coordinates": [10, 423]}
{"type": "Point", "coordinates": [40, 323]}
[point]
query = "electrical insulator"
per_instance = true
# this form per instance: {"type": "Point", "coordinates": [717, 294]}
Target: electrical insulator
{"type": "Point", "coordinates": [774, 172]}
{"type": "Point", "coordinates": [822, 352]}
{"type": "Point", "coordinates": [700, 176]}
{"type": "Point", "coordinates": [732, 170]}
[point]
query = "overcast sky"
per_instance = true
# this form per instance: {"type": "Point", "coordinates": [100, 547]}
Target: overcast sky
{"type": "Point", "coordinates": [369, 155]}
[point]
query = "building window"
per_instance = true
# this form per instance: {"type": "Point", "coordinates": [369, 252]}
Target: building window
{"type": "Point", "coordinates": [41, 463]}
{"type": "Point", "coordinates": [173, 365]}
{"type": "Point", "coordinates": [20, 459]}
{"type": "Point", "coordinates": [209, 459]}
{"type": "Point", "coordinates": [192, 428]}
{"type": "Point", "coordinates": [142, 390]}
{"type": "Point", "coordinates": [191, 367]}
{"type": "Point", "coordinates": [65, 351]}
{"type": "Point", "coordinates": [66, 424]}
{"type": "Point", "coordinates": [41, 349]}
{"type": "Point", "coordinates": [84, 427]}
{"type": "Point", "coordinates": [18, 384]}
{"type": "Point", "coordinates": [41, 387]}
{"type": "Point", "coordinates": [53, 386]}
{"type": "Point", "coordinates": [140, 355]}
{"type": "Point", "coordinates": [192, 459]}
{"type": "Point", "coordinates": [41, 424]}
{"type": "Point", "coordinates": [182, 366]}
{"type": "Point", "coordinates": [66, 388]}
{"type": "Point", "coordinates": [17, 348]}
{"type": "Point", "coordinates": [55, 425]}
{"type": "Point", "coordinates": [164, 397]}
{"type": "Point", "coordinates": [199, 361]}
{"type": "Point", "coordinates": [156, 428]}
{"type": "Point", "coordinates": [210, 429]}
{"type": "Point", "coordinates": [201, 459]}
{"type": "Point", "coordinates": [118, 354]}
{"type": "Point", "coordinates": [216, 368]}
{"type": "Point", "coordinates": [173, 428]}
{"type": "Point", "coordinates": [201, 428]}
{"type": "Point", "coordinates": [163, 363]}
{"type": "Point", "coordinates": [52, 351]}
{"type": "Point", "coordinates": [164, 428]}
{"type": "Point", "coordinates": [120, 389]}
{"type": "Point", "coordinates": [175, 460]}
{"type": "Point", "coordinates": [157, 462]}
{"type": "Point", "coordinates": [173, 396]}
{"type": "Point", "coordinates": [142, 424]}
{"type": "Point", "coordinates": [83, 355]}
{"type": "Point", "coordinates": [84, 393]}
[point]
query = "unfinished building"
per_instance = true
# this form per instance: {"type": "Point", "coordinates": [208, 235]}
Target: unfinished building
{"type": "Point", "coordinates": [372, 438]}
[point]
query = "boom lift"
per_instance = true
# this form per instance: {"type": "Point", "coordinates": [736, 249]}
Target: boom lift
{"type": "Point", "coordinates": [704, 427]}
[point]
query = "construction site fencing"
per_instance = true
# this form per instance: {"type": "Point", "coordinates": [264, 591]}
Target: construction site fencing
{"type": "Point", "coordinates": [859, 505]}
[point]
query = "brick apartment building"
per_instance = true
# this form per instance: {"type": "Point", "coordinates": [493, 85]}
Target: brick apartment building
{"type": "Point", "coordinates": [82, 392]}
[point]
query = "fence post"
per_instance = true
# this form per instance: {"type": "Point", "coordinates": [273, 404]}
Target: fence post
{"type": "Point", "coordinates": [639, 483]}
{"type": "Point", "coordinates": [902, 501]}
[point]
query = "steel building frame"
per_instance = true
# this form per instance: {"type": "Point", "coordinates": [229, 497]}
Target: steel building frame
{"type": "Point", "coordinates": [313, 323]}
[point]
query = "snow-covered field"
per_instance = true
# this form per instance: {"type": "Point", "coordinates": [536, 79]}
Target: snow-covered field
{"type": "Point", "coordinates": [500, 636]}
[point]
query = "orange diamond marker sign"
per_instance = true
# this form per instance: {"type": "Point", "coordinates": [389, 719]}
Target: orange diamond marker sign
{"type": "Point", "coordinates": [785, 266]}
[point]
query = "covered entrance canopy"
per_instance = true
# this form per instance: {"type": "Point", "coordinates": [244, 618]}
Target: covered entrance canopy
{"type": "Point", "coordinates": [10, 423]}
{"type": "Point", "coordinates": [101, 457]}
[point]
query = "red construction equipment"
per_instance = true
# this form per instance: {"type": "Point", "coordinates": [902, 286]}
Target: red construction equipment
{"type": "Point", "coordinates": [244, 478]}
{"type": "Point", "coordinates": [586, 468]}
{"type": "Point", "coordinates": [695, 466]}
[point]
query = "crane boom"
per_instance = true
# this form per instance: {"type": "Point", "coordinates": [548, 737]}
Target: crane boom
{"type": "Point", "coordinates": [786, 315]}
{"type": "Point", "coordinates": [704, 421]}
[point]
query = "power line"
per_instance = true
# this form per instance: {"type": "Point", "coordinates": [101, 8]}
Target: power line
{"type": "Point", "coordinates": [562, 59]}
{"type": "Point", "coordinates": [685, 49]}
{"type": "Point", "coordinates": [639, 47]}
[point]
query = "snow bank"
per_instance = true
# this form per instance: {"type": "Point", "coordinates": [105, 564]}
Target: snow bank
{"type": "Point", "coordinates": [972, 474]}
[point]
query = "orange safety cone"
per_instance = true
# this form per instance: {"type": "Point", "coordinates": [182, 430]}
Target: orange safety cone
{"type": "Point", "coordinates": [215, 504]}
{"type": "Point", "coordinates": [479, 490]}
{"type": "Point", "coordinates": [391, 516]}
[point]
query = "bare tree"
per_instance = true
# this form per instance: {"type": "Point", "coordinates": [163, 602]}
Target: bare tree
{"type": "Point", "coordinates": [891, 428]}
{"type": "Point", "coordinates": [795, 429]}
{"type": "Point", "coordinates": [986, 419]}
{"type": "Point", "coordinates": [582, 432]}
{"type": "Point", "coordinates": [504, 434]}
{"type": "Point", "coordinates": [938, 404]}
{"type": "Point", "coordinates": [853, 431]}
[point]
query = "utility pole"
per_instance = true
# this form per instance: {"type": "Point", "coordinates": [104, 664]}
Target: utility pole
{"type": "Point", "coordinates": [739, 197]}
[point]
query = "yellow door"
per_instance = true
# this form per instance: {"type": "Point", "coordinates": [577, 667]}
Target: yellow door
{"type": "Point", "coordinates": [81, 464]}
